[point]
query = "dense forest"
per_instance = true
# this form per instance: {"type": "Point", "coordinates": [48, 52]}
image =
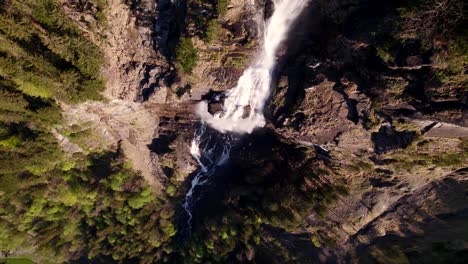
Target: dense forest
{"type": "Point", "coordinates": [56, 206]}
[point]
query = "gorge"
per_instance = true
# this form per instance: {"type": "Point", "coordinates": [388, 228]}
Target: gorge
{"type": "Point", "coordinates": [251, 92]}
{"type": "Point", "coordinates": [233, 131]}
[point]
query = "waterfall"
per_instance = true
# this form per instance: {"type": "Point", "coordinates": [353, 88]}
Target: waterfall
{"type": "Point", "coordinates": [244, 104]}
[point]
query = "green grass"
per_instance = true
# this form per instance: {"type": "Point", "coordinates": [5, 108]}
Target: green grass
{"type": "Point", "coordinates": [222, 7]}
{"type": "Point", "coordinates": [237, 62]}
{"type": "Point", "coordinates": [11, 142]}
{"type": "Point", "coordinates": [186, 54]}
{"type": "Point", "coordinates": [360, 166]}
{"type": "Point", "coordinates": [101, 5]}
{"type": "Point", "coordinates": [213, 31]}
{"type": "Point", "coordinates": [18, 261]}
{"type": "Point", "coordinates": [453, 73]}
{"type": "Point", "coordinates": [384, 55]}
{"type": "Point", "coordinates": [413, 159]}
{"type": "Point", "coordinates": [450, 159]}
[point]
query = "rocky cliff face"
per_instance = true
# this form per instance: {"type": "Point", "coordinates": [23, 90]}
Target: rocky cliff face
{"type": "Point", "coordinates": [135, 67]}
{"type": "Point", "coordinates": [125, 31]}
{"type": "Point", "coordinates": [381, 121]}
{"type": "Point", "coordinates": [135, 38]}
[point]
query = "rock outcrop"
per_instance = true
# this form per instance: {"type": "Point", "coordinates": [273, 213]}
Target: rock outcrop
{"type": "Point", "coordinates": [118, 123]}
{"type": "Point", "coordinates": [135, 68]}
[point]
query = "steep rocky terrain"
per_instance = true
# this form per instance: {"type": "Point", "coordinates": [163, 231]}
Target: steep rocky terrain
{"type": "Point", "coordinates": [363, 160]}
{"type": "Point", "coordinates": [369, 91]}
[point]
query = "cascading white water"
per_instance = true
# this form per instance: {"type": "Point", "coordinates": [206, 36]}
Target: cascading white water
{"type": "Point", "coordinates": [211, 149]}
{"type": "Point", "coordinates": [253, 88]}
{"type": "Point", "coordinates": [210, 152]}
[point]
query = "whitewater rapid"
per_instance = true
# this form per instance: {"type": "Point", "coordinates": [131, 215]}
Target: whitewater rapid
{"type": "Point", "coordinates": [210, 151]}
{"type": "Point", "coordinates": [244, 104]}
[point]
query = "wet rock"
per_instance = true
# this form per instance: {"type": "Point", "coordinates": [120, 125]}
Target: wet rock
{"type": "Point", "coordinates": [269, 8]}
{"type": "Point", "coordinates": [215, 101]}
{"type": "Point", "coordinates": [215, 107]}
{"type": "Point", "coordinates": [247, 109]}
{"type": "Point", "coordinates": [170, 145]}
